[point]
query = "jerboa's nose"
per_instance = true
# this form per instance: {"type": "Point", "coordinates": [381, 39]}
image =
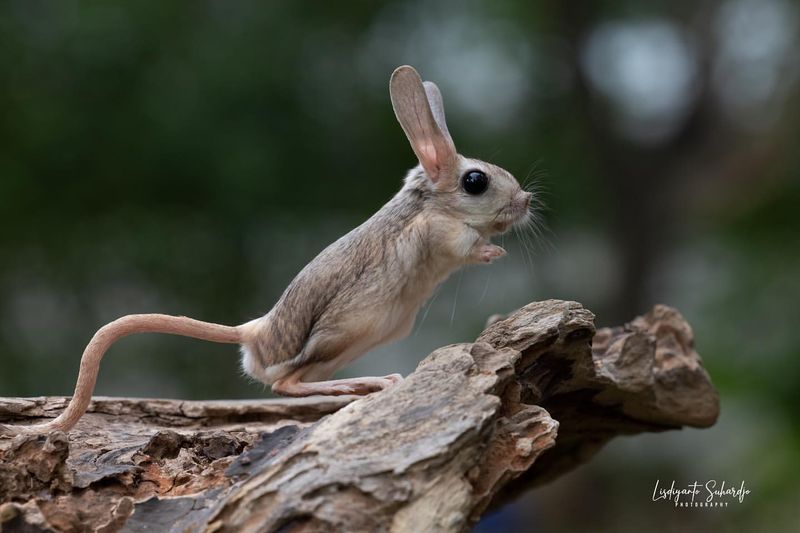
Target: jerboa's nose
{"type": "Point", "coordinates": [524, 199]}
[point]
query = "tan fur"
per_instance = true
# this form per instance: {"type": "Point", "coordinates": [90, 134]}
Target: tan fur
{"type": "Point", "coordinates": [366, 288]}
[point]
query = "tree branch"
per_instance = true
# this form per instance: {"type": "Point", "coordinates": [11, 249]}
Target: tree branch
{"type": "Point", "coordinates": [472, 427]}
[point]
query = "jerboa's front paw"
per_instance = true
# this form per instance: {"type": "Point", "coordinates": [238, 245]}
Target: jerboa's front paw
{"type": "Point", "coordinates": [486, 253]}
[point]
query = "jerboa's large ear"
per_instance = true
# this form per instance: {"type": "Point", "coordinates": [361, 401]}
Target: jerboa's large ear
{"type": "Point", "coordinates": [437, 106]}
{"type": "Point", "coordinates": [420, 112]}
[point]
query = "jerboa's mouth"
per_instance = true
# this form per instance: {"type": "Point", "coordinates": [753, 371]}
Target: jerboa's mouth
{"type": "Point", "coordinates": [508, 217]}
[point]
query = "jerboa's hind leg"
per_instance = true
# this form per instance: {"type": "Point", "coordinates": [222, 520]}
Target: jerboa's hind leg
{"type": "Point", "coordinates": [326, 351]}
{"type": "Point", "coordinates": [312, 377]}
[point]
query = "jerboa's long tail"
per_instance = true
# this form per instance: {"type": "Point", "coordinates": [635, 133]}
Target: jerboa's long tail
{"type": "Point", "coordinates": [102, 341]}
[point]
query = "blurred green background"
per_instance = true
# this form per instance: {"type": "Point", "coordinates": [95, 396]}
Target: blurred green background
{"type": "Point", "coordinates": [191, 157]}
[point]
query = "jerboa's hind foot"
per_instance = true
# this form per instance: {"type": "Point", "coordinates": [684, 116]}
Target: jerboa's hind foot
{"type": "Point", "coordinates": [292, 386]}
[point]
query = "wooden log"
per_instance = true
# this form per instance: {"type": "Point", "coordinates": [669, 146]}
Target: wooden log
{"type": "Point", "coordinates": [474, 425]}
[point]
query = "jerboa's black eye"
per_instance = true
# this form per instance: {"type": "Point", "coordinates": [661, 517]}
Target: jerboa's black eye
{"type": "Point", "coordinates": [475, 182]}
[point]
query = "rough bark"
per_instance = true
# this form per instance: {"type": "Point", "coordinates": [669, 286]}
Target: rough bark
{"type": "Point", "coordinates": [537, 394]}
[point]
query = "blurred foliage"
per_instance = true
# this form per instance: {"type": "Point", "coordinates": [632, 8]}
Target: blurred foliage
{"type": "Point", "coordinates": [191, 157]}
